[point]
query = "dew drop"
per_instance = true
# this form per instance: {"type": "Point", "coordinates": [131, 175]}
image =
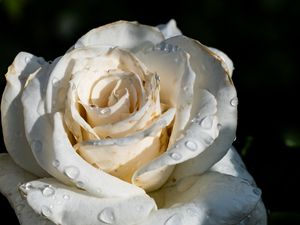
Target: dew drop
{"type": "Point", "coordinates": [105, 111]}
{"type": "Point", "coordinates": [45, 211]}
{"type": "Point", "coordinates": [20, 207]}
{"type": "Point", "coordinates": [175, 155]}
{"type": "Point", "coordinates": [36, 146]}
{"type": "Point", "coordinates": [55, 163]}
{"type": "Point", "coordinates": [107, 216]}
{"type": "Point", "coordinates": [219, 126]}
{"type": "Point", "coordinates": [206, 122]}
{"type": "Point", "coordinates": [54, 81]}
{"type": "Point", "coordinates": [28, 186]}
{"type": "Point", "coordinates": [162, 46]}
{"type": "Point", "coordinates": [80, 184]}
{"type": "Point", "coordinates": [99, 190]}
{"type": "Point", "coordinates": [234, 102]}
{"type": "Point", "coordinates": [72, 172]}
{"type": "Point", "coordinates": [257, 191]}
{"type": "Point", "coordinates": [27, 59]}
{"type": "Point", "coordinates": [192, 212]}
{"type": "Point", "coordinates": [191, 145]}
{"type": "Point", "coordinates": [66, 197]}
{"type": "Point", "coordinates": [173, 220]}
{"type": "Point", "coordinates": [48, 191]}
{"type": "Point", "coordinates": [139, 208]}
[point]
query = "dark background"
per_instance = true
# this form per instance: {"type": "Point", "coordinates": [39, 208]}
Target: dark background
{"type": "Point", "coordinates": [259, 36]}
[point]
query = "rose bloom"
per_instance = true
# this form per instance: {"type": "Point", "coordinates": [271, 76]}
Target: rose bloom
{"type": "Point", "coordinates": [133, 125]}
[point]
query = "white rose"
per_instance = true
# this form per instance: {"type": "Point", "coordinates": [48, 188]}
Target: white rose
{"type": "Point", "coordinates": [133, 125]}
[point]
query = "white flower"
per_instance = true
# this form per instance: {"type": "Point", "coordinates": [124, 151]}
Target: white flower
{"type": "Point", "coordinates": [133, 125]}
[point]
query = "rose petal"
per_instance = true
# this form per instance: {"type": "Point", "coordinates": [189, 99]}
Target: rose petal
{"type": "Point", "coordinates": [209, 199]}
{"type": "Point", "coordinates": [169, 29]}
{"type": "Point", "coordinates": [70, 206]}
{"type": "Point", "coordinates": [53, 151]}
{"type": "Point", "coordinates": [12, 111]}
{"type": "Point", "coordinates": [173, 67]}
{"type": "Point", "coordinates": [11, 176]}
{"type": "Point", "coordinates": [127, 35]}
{"type": "Point", "coordinates": [200, 133]}
{"type": "Point", "coordinates": [122, 157]}
{"type": "Point", "coordinates": [211, 76]}
{"type": "Point", "coordinates": [226, 61]}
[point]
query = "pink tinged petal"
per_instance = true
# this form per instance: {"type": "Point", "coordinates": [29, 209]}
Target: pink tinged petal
{"type": "Point", "coordinates": [24, 66]}
{"type": "Point", "coordinates": [70, 206]}
{"type": "Point", "coordinates": [11, 176]}
{"type": "Point", "coordinates": [209, 199]}
{"type": "Point", "coordinates": [169, 29]}
{"type": "Point", "coordinates": [127, 35]}
{"type": "Point", "coordinates": [211, 76]}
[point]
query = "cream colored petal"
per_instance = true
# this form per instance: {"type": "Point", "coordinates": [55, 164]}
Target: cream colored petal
{"type": "Point", "coordinates": [212, 76]}
{"type": "Point", "coordinates": [169, 29]}
{"type": "Point", "coordinates": [176, 80]}
{"type": "Point", "coordinates": [127, 35]}
{"type": "Point", "coordinates": [115, 155]}
{"type": "Point", "coordinates": [11, 176]}
{"type": "Point", "coordinates": [200, 134]}
{"type": "Point", "coordinates": [15, 141]}
{"type": "Point", "coordinates": [69, 206]}
{"type": "Point", "coordinates": [51, 147]}
{"type": "Point", "coordinates": [107, 115]}
{"type": "Point", "coordinates": [209, 199]}
{"type": "Point", "coordinates": [226, 61]}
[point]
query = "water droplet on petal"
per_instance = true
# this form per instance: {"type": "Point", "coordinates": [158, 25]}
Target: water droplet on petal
{"type": "Point", "coordinates": [173, 220]}
{"type": "Point", "coordinates": [175, 155]}
{"type": "Point", "coordinates": [36, 146]}
{"type": "Point", "coordinates": [99, 191]}
{"type": "Point", "coordinates": [55, 163]}
{"type": "Point", "coordinates": [219, 126]}
{"type": "Point", "coordinates": [105, 111]}
{"type": "Point", "coordinates": [139, 208]}
{"type": "Point", "coordinates": [45, 211]}
{"type": "Point", "coordinates": [192, 212]}
{"type": "Point", "coordinates": [80, 184]}
{"type": "Point", "coordinates": [54, 81]}
{"type": "Point", "coordinates": [20, 207]}
{"type": "Point", "coordinates": [28, 186]}
{"type": "Point", "coordinates": [66, 197]}
{"type": "Point", "coordinates": [206, 122]}
{"type": "Point", "coordinates": [107, 216]}
{"type": "Point", "coordinates": [48, 191]}
{"type": "Point", "coordinates": [234, 102]}
{"type": "Point", "coordinates": [27, 59]}
{"type": "Point", "coordinates": [72, 172]}
{"type": "Point", "coordinates": [257, 191]}
{"type": "Point", "coordinates": [191, 145]}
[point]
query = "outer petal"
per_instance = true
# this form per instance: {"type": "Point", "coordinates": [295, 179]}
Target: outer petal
{"type": "Point", "coordinates": [208, 199]}
{"type": "Point", "coordinates": [12, 111]}
{"type": "Point", "coordinates": [70, 206]}
{"type": "Point", "coordinates": [49, 142]}
{"type": "Point", "coordinates": [226, 61]}
{"type": "Point", "coordinates": [212, 76]}
{"type": "Point", "coordinates": [169, 29]}
{"type": "Point", "coordinates": [10, 178]}
{"type": "Point", "coordinates": [128, 35]}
